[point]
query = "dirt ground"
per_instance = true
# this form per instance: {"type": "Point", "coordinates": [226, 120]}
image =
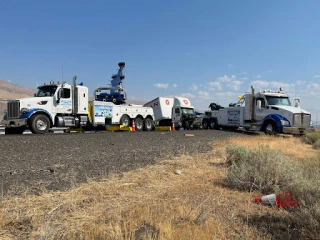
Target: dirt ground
{"type": "Point", "coordinates": [37, 163]}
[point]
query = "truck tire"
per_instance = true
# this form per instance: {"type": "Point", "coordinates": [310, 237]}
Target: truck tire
{"type": "Point", "coordinates": [213, 123]}
{"type": "Point", "coordinates": [270, 128]}
{"type": "Point", "coordinates": [205, 124]}
{"type": "Point", "coordinates": [139, 124]}
{"type": "Point", "coordinates": [17, 130]}
{"type": "Point", "coordinates": [40, 124]}
{"type": "Point", "coordinates": [148, 124]}
{"type": "Point", "coordinates": [125, 121]}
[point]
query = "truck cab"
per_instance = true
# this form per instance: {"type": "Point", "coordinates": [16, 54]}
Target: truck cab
{"type": "Point", "coordinates": [268, 111]}
{"type": "Point", "coordinates": [183, 114]}
{"type": "Point", "coordinates": [54, 105]}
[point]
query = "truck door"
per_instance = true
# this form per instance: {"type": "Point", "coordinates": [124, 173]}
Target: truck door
{"type": "Point", "coordinates": [63, 103]}
{"type": "Point", "coordinates": [176, 114]}
{"type": "Point", "coordinates": [261, 112]}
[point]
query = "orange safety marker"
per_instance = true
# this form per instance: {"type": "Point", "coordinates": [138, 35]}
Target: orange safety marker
{"type": "Point", "coordinates": [282, 199]}
{"type": "Point", "coordinates": [133, 126]}
{"type": "Point", "coordinates": [173, 128]}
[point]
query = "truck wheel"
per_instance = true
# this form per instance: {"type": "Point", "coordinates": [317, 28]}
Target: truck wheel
{"type": "Point", "coordinates": [139, 124]}
{"type": "Point", "coordinates": [148, 124]}
{"type": "Point", "coordinates": [40, 124]}
{"type": "Point", "coordinates": [125, 121]}
{"type": "Point", "coordinates": [212, 123]}
{"type": "Point", "coordinates": [17, 130]}
{"type": "Point", "coordinates": [205, 124]}
{"type": "Point", "coordinates": [270, 129]}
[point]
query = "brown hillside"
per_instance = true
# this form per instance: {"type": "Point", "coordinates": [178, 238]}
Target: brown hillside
{"type": "Point", "coordinates": [12, 91]}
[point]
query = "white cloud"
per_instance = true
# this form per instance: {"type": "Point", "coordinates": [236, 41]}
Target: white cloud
{"type": "Point", "coordinates": [226, 95]}
{"type": "Point", "coordinates": [300, 82]}
{"type": "Point", "coordinates": [187, 95]}
{"type": "Point", "coordinates": [259, 76]}
{"type": "Point", "coordinates": [317, 76]}
{"type": "Point", "coordinates": [161, 85]}
{"type": "Point", "coordinates": [230, 65]}
{"type": "Point", "coordinates": [270, 71]}
{"type": "Point", "coordinates": [214, 85]}
{"type": "Point", "coordinates": [244, 73]}
{"type": "Point", "coordinates": [259, 84]}
{"type": "Point", "coordinates": [194, 87]}
{"type": "Point", "coordinates": [204, 95]}
{"type": "Point", "coordinates": [235, 85]}
{"type": "Point", "coordinates": [225, 78]}
{"type": "Point", "coordinates": [314, 89]}
{"type": "Point", "coordinates": [175, 85]}
{"type": "Point", "coordinates": [244, 78]}
{"type": "Point", "coordinates": [263, 85]}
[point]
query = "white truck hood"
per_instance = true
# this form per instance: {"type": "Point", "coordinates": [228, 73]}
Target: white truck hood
{"type": "Point", "coordinates": [33, 102]}
{"type": "Point", "coordinates": [291, 109]}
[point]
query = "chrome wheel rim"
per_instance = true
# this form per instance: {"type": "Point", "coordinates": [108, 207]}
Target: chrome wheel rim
{"type": "Point", "coordinates": [41, 125]}
{"type": "Point", "coordinates": [269, 129]}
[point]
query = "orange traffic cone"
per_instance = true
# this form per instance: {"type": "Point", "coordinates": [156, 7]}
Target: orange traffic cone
{"type": "Point", "coordinates": [133, 126]}
{"type": "Point", "coordinates": [282, 199]}
{"type": "Point", "coordinates": [173, 128]}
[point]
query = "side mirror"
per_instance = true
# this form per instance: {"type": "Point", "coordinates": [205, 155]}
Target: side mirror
{"type": "Point", "coordinates": [259, 104]}
{"type": "Point", "coordinates": [297, 102]}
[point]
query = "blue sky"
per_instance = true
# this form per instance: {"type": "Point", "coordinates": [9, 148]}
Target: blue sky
{"type": "Point", "coordinates": [206, 50]}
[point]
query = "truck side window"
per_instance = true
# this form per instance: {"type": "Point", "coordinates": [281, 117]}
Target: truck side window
{"type": "Point", "coordinates": [263, 102]}
{"type": "Point", "coordinates": [65, 93]}
{"type": "Point", "coordinates": [177, 110]}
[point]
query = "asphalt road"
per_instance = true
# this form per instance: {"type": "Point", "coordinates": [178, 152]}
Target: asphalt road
{"type": "Point", "coordinates": [59, 161]}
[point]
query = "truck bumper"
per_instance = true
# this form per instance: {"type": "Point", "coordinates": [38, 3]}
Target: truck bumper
{"type": "Point", "coordinates": [296, 130]}
{"type": "Point", "coordinates": [18, 122]}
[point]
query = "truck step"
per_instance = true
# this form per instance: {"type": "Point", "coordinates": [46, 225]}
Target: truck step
{"type": "Point", "coordinates": [164, 128]}
{"type": "Point", "coordinates": [118, 128]}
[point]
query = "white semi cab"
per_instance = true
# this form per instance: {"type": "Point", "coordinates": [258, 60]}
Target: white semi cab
{"type": "Point", "coordinates": [64, 105]}
{"type": "Point", "coordinates": [176, 110]}
{"type": "Point", "coordinates": [270, 112]}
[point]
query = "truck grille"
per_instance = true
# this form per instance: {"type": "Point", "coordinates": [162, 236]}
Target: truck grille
{"type": "Point", "coordinates": [301, 120]}
{"type": "Point", "coordinates": [13, 109]}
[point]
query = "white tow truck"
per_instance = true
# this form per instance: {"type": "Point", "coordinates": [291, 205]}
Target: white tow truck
{"type": "Point", "coordinates": [267, 111]}
{"type": "Point", "coordinates": [177, 111]}
{"type": "Point", "coordinates": [63, 105]}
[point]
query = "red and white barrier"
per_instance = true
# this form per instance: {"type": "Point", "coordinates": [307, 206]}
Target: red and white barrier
{"type": "Point", "coordinates": [281, 199]}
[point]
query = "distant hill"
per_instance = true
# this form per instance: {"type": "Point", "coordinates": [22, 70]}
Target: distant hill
{"type": "Point", "coordinates": [9, 91]}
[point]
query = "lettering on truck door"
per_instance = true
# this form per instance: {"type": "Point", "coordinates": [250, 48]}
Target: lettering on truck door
{"type": "Point", "coordinates": [262, 112]}
{"type": "Point", "coordinates": [64, 105]}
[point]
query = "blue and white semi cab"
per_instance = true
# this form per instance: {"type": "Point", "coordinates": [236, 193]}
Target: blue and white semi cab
{"type": "Point", "coordinates": [54, 105]}
{"type": "Point", "coordinates": [267, 111]}
{"type": "Point", "coordinates": [60, 105]}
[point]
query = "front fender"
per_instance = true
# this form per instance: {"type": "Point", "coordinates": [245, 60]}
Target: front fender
{"type": "Point", "coordinates": [34, 111]}
{"type": "Point", "coordinates": [276, 118]}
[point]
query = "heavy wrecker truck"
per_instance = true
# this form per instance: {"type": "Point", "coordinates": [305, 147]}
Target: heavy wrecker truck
{"type": "Point", "coordinates": [57, 105]}
{"type": "Point", "coordinates": [267, 111]}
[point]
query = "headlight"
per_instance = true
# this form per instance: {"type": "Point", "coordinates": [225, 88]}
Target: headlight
{"type": "Point", "coordinates": [284, 122]}
{"type": "Point", "coordinates": [5, 112]}
{"type": "Point", "coordinates": [24, 110]}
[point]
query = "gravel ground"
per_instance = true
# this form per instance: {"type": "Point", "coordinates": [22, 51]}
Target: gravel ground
{"type": "Point", "coordinates": [35, 163]}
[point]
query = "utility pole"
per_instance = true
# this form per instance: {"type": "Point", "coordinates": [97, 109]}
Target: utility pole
{"type": "Point", "coordinates": [62, 72]}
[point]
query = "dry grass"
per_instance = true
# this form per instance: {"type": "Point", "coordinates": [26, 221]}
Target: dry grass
{"type": "Point", "coordinates": [152, 203]}
{"type": "Point", "coordinates": [289, 146]}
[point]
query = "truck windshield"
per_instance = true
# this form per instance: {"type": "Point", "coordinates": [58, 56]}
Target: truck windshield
{"type": "Point", "coordinates": [46, 91]}
{"type": "Point", "coordinates": [187, 110]}
{"type": "Point", "coordinates": [278, 101]}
